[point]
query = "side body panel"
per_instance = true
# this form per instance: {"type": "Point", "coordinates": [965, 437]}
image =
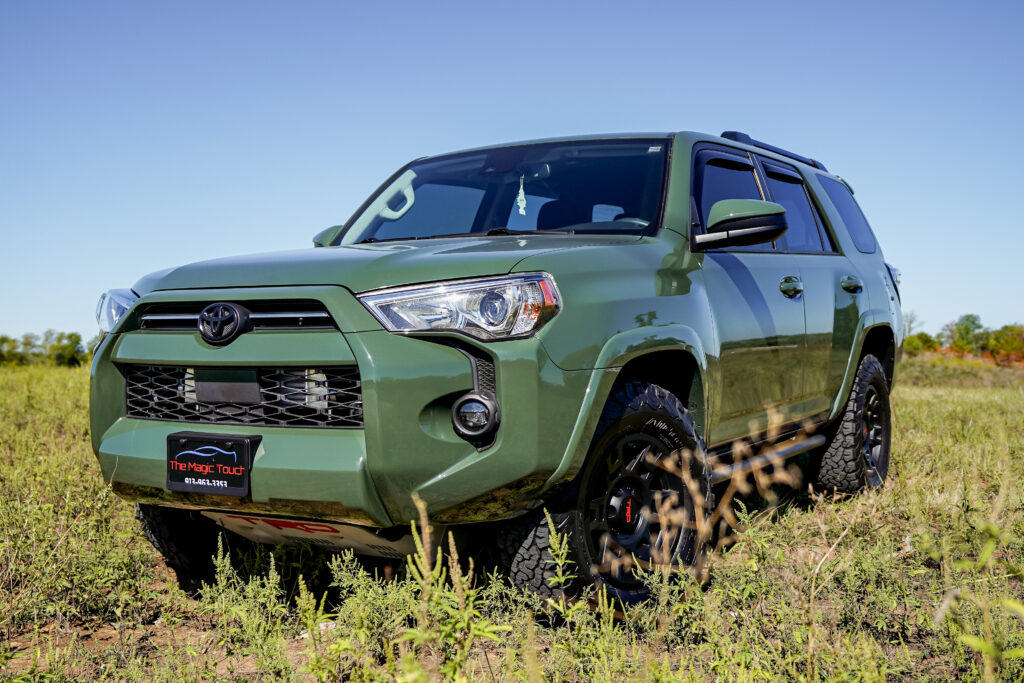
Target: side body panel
{"type": "Point", "coordinates": [761, 341]}
{"type": "Point", "coordinates": [833, 320]}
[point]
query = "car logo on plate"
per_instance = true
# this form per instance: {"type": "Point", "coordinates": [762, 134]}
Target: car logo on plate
{"type": "Point", "coordinates": [220, 323]}
{"type": "Point", "coordinates": [208, 452]}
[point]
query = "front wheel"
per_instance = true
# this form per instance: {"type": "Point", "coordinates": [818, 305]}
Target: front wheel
{"type": "Point", "coordinates": [635, 504]}
{"type": "Point", "coordinates": [186, 539]}
{"type": "Point", "coordinates": [857, 455]}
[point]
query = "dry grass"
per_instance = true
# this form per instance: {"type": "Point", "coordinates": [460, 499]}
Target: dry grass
{"type": "Point", "coordinates": [923, 579]}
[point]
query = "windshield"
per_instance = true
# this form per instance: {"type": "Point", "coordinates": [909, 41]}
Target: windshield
{"type": "Point", "coordinates": [581, 187]}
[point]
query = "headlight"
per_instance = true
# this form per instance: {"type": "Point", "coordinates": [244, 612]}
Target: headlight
{"type": "Point", "coordinates": [489, 308]}
{"type": "Point", "coordinates": [112, 306]}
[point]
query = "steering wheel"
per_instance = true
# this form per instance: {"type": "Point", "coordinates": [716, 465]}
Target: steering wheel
{"type": "Point", "coordinates": [630, 219]}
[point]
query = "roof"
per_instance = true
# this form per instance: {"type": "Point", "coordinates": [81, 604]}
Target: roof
{"type": "Point", "coordinates": [734, 138]}
{"type": "Point", "coordinates": [567, 138]}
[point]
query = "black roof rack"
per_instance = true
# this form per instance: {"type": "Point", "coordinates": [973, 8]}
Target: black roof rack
{"type": "Point", "coordinates": [737, 136]}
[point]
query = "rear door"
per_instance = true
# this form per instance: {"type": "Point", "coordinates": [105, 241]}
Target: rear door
{"type": "Point", "coordinates": [760, 327]}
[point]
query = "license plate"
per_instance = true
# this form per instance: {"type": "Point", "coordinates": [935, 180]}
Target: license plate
{"type": "Point", "coordinates": [210, 463]}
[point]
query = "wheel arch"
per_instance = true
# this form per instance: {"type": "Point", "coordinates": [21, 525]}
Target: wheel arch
{"type": "Point", "coordinates": [877, 339]}
{"type": "Point", "coordinates": [880, 342]}
{"type": "Point", "coordinates": [671, 356]}
{"type": "Point", "coordinates": [674, 370]}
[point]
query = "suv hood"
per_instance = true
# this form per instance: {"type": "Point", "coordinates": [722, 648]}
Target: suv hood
{"type": "Point", "coordinates": [364, 267]}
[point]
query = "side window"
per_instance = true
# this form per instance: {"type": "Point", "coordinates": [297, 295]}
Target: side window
{"type": "Point", "coordinates": [856, 224]}
{"type": "Point", "coordinates": [724, 176]}
{"type": "Point", "coordinates": [786, 187]}
{"type": "Point", "coordinates": [435, 209]}
{"type": "Point", "coordinates": [724, 180]}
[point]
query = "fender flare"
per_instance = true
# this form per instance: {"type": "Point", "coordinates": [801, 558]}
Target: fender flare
{"type": "Point", "coordinates": [869, 320]}
{"type": "Point", "coordinates": [616, 353]}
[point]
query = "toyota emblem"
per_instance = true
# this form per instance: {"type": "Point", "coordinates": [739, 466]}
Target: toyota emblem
{"type": "Point", "coordinates": [220, 323]}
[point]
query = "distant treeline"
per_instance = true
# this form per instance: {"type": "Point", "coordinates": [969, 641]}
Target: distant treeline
{"type": "Point", "coordinates": [967, 336]}
{"type": "Point", "coordinates": [51, 348]}
{"type": "Point", "coordinates": [964, 336]}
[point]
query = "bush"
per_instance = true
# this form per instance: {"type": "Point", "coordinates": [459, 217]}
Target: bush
{"type": "Point", "coordinates": [10, 352]}
{"type": "Point", "coordinates": [67, 350]}
{"type": "Point", "coordinates": [55, 348]}
{"type": "Point", "coordinates": [918, 343]}
{"type": "Point", "coordinates": [1007, 344]}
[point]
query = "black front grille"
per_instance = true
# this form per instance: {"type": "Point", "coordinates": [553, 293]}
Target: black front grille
{"type": "Point", "coordinates": [289, 397]}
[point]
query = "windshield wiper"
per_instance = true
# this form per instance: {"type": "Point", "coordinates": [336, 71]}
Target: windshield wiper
{"type": "Point", "coordinates": [371, 240]}
{"type": "Point", "coordinates": [493, 232]}
{"type": "Point", "coordinates": [506, 231]}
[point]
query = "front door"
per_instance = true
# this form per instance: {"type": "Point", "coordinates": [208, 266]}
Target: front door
{"type": "Point", "coordinates": [756, 301]}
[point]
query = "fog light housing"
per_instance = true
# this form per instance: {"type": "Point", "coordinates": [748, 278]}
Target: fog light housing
{"type": "Point", "coordinates": [475, 416]}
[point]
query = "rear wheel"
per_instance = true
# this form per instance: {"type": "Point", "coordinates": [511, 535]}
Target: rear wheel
{"type": "Point", "coordinates": [857, 455]}
{"type": "Point", "coordinates": [630, 505]}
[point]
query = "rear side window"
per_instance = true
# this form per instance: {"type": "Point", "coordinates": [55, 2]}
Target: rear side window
{"type": "Point", "coordinates": [849, 211]}
{"type": "Point", "coordinates": [787, 188]}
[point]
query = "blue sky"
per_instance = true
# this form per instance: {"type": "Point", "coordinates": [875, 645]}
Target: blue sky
{"type": "Point", "coordinates": [138, 136]}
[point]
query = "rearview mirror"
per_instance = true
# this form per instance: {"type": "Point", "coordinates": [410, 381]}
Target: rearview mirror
{"type": "Point", "coordinates": [326, 236]}
{"type": "Point", "coordinates": [741, 223]}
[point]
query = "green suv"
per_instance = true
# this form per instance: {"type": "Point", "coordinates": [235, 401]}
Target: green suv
{"type": "Point", "coordinates": [549, 325]}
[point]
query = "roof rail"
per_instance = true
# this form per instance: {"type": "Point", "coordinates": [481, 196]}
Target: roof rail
{"type": "Point", "coordinates": [745, 139]}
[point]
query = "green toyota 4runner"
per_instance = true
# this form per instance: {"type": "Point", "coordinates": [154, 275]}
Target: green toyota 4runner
{"type": "Point", "coordinates": [505, 330]}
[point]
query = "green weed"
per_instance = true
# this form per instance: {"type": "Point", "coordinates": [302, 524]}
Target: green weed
{"type": "Point", "coordinates": [920, 580]}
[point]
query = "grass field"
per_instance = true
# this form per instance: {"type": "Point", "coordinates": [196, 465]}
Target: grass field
{"type": "Point", "coordinates": [921, 580]}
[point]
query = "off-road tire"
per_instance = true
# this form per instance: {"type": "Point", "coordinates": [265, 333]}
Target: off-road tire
{"type": "Point", "coordinates": [525, 543]}
{"type": "Point", "coordinates": [524, 550]}
{"type": "Point", "coordinates": [186, 539]}
{"type": "Point", "coordinates": [844, 467]}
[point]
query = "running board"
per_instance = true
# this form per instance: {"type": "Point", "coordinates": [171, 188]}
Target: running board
{"type": "Point", "coordinates": [775, 456]}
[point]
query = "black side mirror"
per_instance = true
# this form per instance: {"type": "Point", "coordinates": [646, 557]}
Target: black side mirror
{"type": "Point", "coordinates": [326, 236]}
{"type": "Point", "coordinates": [741, 223]}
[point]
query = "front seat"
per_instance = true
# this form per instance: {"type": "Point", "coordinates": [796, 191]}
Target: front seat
{"type": "Point", "coordinates": [563, 213]}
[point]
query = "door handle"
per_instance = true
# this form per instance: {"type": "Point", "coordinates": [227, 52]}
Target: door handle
{"type": "Point", "coordinates": [791, 286]}
{"type": "Point", "coordinates": [851, 284]}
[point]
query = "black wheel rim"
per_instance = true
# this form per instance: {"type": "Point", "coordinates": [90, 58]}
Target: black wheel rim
{"type": "Point", "coordinates": [625, 491]}
{"type": "Point", "coordinates": [874, 447]}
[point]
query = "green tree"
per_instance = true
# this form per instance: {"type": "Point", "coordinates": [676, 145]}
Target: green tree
{"type": "Point", "coordinates": [964, 335]}
{"type": "Point", "coordinates": [10, 351]}
{"type": "Point", "coordinates": [1007, 344]}
{"type": "Point", "coordinates": [31, 348]}
{"type": "Point", "coordinates": [918, 343]}
{"type": "Point", "coordinates": [66, 349]}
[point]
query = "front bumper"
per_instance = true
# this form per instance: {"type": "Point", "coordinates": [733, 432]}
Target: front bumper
{"type": "Point", "coordinates": [365, 476]}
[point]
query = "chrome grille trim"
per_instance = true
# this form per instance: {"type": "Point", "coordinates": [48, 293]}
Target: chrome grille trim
{"type": "Point", "coordinates": [264, 315]}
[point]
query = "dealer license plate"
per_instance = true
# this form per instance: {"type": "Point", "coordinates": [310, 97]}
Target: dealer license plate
{"type": "Point", "coordinates": [210, 463]}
